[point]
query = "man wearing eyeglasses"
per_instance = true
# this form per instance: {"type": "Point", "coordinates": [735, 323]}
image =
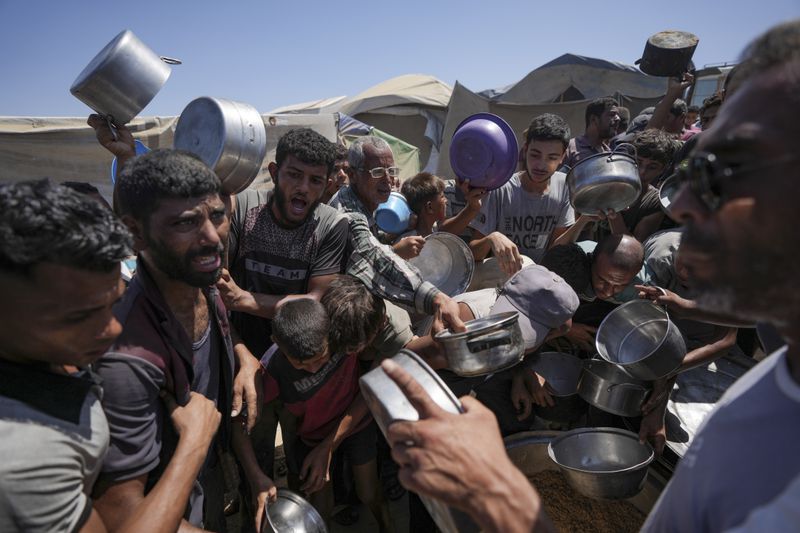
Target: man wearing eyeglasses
{"type": "Point", "coordinates": [742, 471]}
{"type": "Point", "coordinates": [380, 267]}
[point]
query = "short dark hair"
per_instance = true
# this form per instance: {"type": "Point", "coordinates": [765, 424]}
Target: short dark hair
{"type": "Point", "coordinates": [81, 187]}
{"type": "Point", "coordinates": [777, 46]}
{"type": "Point", "coordinates": [356, 314]}
{"type": "Point", "coordinates": [624, 252]}
{"type": "Point", "coordinates": [44, 222]}
{"type": "Point", "coordinates": [341, 153]}
{"type": "Point", "coordinates": [420, 189]}
{"type": "Point", "coordinates": [548, 127]}
{"type": "Point", "coordinates": [678, 107]}
{"type": "Point", "coordinates": [300, 328]}
{"type": "Point", "coordinates": [159, 175]}
{"type": "Point", "coordinates": [308, 146]}
{"type": "Point", "coordinates": [712, 101]}
{"type": "Point", "coordinates": [693, 108]}
{"type": "Point", "coordinates": [598, 106]}
{"type": "Point", "coordinates": [656, 144]}
{"type": "Point", "coordinates": [571, 263]}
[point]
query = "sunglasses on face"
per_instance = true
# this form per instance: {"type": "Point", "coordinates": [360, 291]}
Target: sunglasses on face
{"type": "Point", "coordinates": [705, 175]}
{"type": "Point", "coordinates": [379, 172]}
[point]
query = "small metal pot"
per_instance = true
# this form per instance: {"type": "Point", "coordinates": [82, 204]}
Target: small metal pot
{"type": "Point", "coordinates": [668, 53]}
{"type": "Point", "coordinates": [488, 345]}
{"type": "Point", "coordinates": [607, 387]}
{"type": "Point", "coordinates": [122, 78]}
{"type": "Point", "coordinates": [562, 372]}
{"type": "Point", "coordinates": [291, 512]}
{"type": "Point", "coordinates": [640, 338]}
{"type": "Point", "coordinates": [602, 463]}
{"type": "Point", "coordinates": [228, 136]}
{"type": "Point", "coordinates": [446, 262]}
{"type": "Point", "coordinates": [609, 180]}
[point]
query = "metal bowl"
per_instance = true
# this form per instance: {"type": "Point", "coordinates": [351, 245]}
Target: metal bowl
{"type": "Point", "coordinates": [562, 372]}
{"type": "Point", "coordinates": [609, 180]}
{"type": "Point", "coordinates": [487, 345]}
{"type": "Point", "coordinates": [602, 463]}
{"type": "Point", "coordinates": [446, 262]}
{"type": "Point", "coordinates": [290, 512]}
{"type": "Point", "coordinates": [640, 338]}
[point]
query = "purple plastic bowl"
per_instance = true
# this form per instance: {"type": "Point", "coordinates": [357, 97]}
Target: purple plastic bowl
{"type": "Point", "coordinates": [393, 215]}
{"type": "Point", "coordinates": [484, 150]}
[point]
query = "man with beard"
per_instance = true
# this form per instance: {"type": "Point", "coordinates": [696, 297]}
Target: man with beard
{"type": "Point", "coordinates": [602, 117]}
{"type": "Point", "coordinates": [175, 335]}
{"type": "Point", "coordinates": [742, 471]}
{"type": "Point", "coordinates": [529, 212]}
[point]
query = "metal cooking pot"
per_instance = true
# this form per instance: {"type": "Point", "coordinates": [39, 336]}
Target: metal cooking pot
{"type": "Point", "coordinates": [640, 338]}
{"type": "Point", "coordinates": [228, 136]}
{"type": "Point", "coordinates": [291, 512]}
{"type": "Point", "coordinates": [668, 53]}
{"type": "Point", "coordinates": [609, 180]}
{"type": "Point", "coordinates": [488, 345]}
{"type": "Point", "coordinates": [388, 404]}
{"type": "Point", "coordinates": [607, 387]}
{"type": "Point", "coordinates": [602, 463]}
{"type": "Point", "coordinates": [562, 372]}
{"type": "Point", "coordinates": [122, 78]}
{"type": "Point", "coordinates": [445, 261]}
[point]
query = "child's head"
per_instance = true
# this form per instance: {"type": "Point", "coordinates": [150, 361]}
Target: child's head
{"type": "Point", "coordinates": [356, 315]}
{"type": "Point", "coordinates": [300, 329]}
{"type": "Point", "coordinates": [425, 195]}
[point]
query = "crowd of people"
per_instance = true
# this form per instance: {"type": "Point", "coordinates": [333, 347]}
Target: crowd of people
{"type": "Point", "coordinates": [151, 340]}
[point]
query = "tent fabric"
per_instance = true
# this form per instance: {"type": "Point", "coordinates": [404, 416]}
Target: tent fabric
{"type": "Point", "coordinates": [326, 105]}
{"type": "Point", "coordinates": [65, 149]}
{"type": "Point", "coordinates": [410, 89]}
{"type": "Point", "coordinates": [464, 103]}
{"type": "Point", "coordinates": [591, 77]}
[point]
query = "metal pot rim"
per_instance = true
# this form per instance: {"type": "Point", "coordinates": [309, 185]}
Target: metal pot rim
{"type": "Point", "coordinates": [670, 325]}
{"type": "Point", "coordinates": [623, 155]}
{"type": "Point", "coordinates": [483, 325]}
{"type": "Point", "coordinates": [616, 431]}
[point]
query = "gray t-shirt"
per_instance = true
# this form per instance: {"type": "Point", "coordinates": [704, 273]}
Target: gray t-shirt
{"type": "Point", "coordinates": [528, 219]}
{"type": "Point", "coordinates": [49, 461]}
{"type": "Point", "coordinates": [744, 459]}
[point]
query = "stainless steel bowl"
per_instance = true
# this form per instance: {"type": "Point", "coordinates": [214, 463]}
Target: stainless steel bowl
{"type": "Point", "coordinates": [446, 262]}
{"type": "Point", "coordinates": [488, 344]}
{"type": "Point", "coordinates": [562, 372]}
{"type": "Point", "coordinates": [640, 338]}
{"type": "Point", "coordinates": [602, 463]}
{"type": "Point", "coordinates": [291, 512]}
{"type": "Point", "coordinates": [122, 78]}
{"type": "Point", "coordinates": [609, 388]}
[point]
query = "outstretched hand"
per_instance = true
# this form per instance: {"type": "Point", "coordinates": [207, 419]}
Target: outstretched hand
{"type": "Point", "coordinates": [122, 145]}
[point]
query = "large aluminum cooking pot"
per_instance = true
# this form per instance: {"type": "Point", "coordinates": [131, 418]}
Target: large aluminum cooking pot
{"type": "Point", "coordinates": [488, 345]}
{"type": "Point", "coordinates": [640, 338]}
{"type": "Point", "coordinates": [609, 180]}
{"type": "Point", "coordinates": [607, 387]}
{"type": "Point", "coordinates": [562, 372]}
{"type": "Point", "coordinates": [668, 53]}
{"type": "Point", "coordinates": [122, 78]}
{"type": "Point", "coordinates": [602, 463]}
{"type": "Point", "coordinates": [388, 404]}
{"type": "Point", "coordinates": [446, 262]}
{"type": "Point", "coordinates": [228, 136]}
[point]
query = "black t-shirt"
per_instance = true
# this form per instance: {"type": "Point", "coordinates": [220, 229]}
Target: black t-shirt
{"type": "Point", "coordinates": [267, 258]}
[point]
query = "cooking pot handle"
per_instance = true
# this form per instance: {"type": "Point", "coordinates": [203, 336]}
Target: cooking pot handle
{"type": "Point", "coordinates": [490, 340]}
{"type": "Point", "coordinates": [620, 145]}
{"type": "Point", "coordinates": [171, 60]}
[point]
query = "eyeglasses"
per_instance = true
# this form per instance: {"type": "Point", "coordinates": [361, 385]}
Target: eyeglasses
{"type": "Point", "coordinates": [705, 174]}
{"type": "Point", "coordinates": [379, 172]}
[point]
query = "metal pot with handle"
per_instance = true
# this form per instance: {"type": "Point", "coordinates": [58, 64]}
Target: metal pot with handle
{"type": "Point", "coordinates": [487, 345]}
{"type": "Point", "coordinates": [668, 53]}
{"type": "Point", "coordinates": [228, 136]}
{"type": "Point", "coordinates": [122, 78]}
{"type": "Point", "coordinates": [609, 180]}
{"type": "Point", "coordinates": [607, 387]}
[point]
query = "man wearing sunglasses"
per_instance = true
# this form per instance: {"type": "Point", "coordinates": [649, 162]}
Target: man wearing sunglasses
{"type": "Point", "coordinates": [373, 176]}
{"type": "Point", "coordinates": [742, 471]}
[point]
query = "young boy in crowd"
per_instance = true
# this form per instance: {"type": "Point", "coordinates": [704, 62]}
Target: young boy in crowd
{"type": "Point", "coordinates": [313, 368]}
{"type": "Point", "coordinates": [425, 196]}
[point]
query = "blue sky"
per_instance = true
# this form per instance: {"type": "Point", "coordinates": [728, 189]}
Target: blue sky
{"type": "Point", "coordinates": [270, 53]}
